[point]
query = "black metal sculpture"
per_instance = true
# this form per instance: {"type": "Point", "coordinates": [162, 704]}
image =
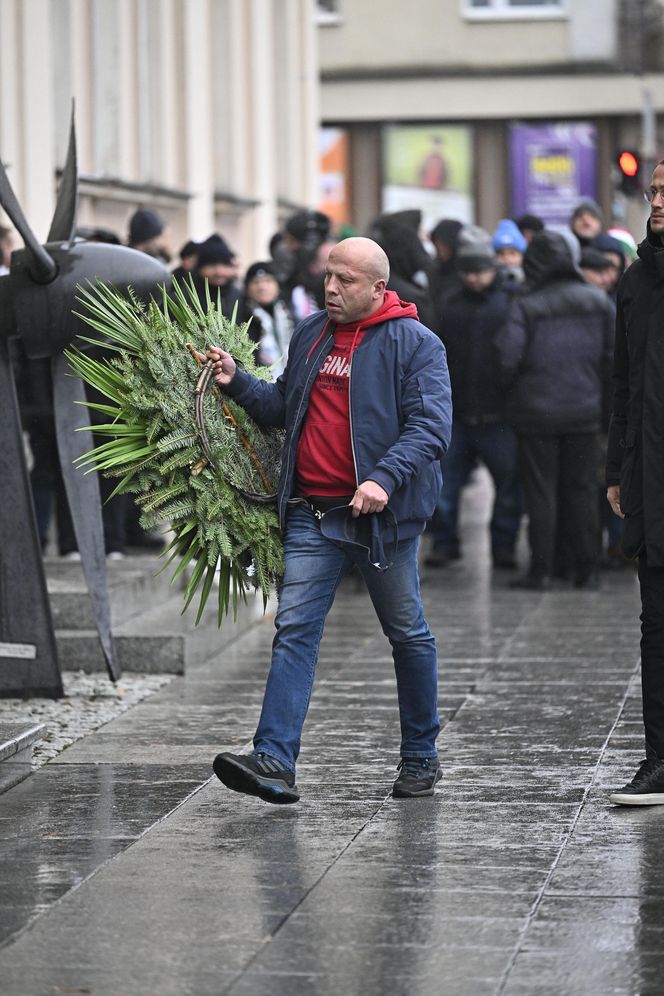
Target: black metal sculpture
{"type": "Point", "coordinates": [37, 299]}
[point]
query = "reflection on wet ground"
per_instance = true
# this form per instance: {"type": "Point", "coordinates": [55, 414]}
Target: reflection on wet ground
{"type": "Point", "coordinates": [125, 870]}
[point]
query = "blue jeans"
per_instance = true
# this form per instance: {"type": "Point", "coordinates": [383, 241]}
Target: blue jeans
{"type": "Point", "coordinates": [495, 444]}
{"type": "Point", "coordinates": [314, 568]}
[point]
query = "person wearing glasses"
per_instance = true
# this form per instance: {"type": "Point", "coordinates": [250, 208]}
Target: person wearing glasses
{"type": "Point", "coordinates": [635, 474]}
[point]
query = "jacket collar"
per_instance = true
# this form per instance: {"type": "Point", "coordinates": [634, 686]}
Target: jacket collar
{"type": "Point", "coordinates": [651, 251]}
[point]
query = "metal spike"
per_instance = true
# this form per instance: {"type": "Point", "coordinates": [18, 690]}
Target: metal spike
{"type": "Point", "coordinates": [63, 225]}
{"type": "Point", "coordinates": [42, 267]}
{"type": "Point", "coordinates": [83, 497]}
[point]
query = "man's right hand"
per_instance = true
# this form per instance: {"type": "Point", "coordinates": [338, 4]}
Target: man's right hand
{"type": "Point", "coordinates": [613, 495]}
{"type": "Point", "coordinates": [224, 365]}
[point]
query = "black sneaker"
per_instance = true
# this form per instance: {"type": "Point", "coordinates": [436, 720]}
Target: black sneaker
{"type": "Point", "coordinates": [417, 776]}
{"type": "Point", "coordinates": [256, 774]}
{"type": "Point", "coordinates": [646, 787]}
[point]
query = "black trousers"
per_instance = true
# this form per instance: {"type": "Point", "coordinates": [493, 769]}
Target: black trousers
{"type": "Point", "coordinates": [559, 476]}
{"type": "Point", "coordinates": [48, 490]}
{"type": "Point", "coordinates": [651, 580]}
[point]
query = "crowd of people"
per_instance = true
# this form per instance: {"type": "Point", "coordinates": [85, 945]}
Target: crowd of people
{"type": "Point", "coordinates": [528, 316]}
{"type": "Point", "coordinates": [506, 304]}
{"type": "Point", "coordinates": [549, 378]}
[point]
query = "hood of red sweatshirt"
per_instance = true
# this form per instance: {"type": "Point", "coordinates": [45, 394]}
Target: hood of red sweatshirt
{"type": "Point", "coordinates": [392, 307]}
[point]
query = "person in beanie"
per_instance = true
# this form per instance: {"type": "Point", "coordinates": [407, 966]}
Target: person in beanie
{"type": "Point", "coordinates": [188, 260]}
{"type": "Point", "coordinates": [271, 321]}
{"type": "Point", "coordinates": [529, 225]}
{"type": "Point", "coordinates": [613, 250]}
{"type": "Point", "coordinates": [635, 474]}
{"type": "Point", "coordinates": [216, 271]}
{"type": "Point", "coordinates": [365, 404]}
{"type": "Point", "coordinates": [509, 246]}
{"type": "Point", "coordinates": [554, 353]}
{"type": "Point", "coordinates": [303, 234]}
{"type": "Point", "coordinates": [468, 327]}
{"type": "Point", "coordinates": [147, 234]}
{"type": "Point", "coordinates": [596, 268]}
{"type": "Point", "coordinates": [626, 239]}
{"type": "Point", "coordinates": [586, 221]}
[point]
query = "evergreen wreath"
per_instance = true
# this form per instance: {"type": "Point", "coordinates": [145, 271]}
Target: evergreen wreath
{"type": "Point", "coordinates": [190, 456]}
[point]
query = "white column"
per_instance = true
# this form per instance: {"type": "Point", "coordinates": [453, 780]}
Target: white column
{"type": "Point", "coordinates": [196, 115]}
{"type": "Point", "coordinates": [128, 86]}
{"type": "Point", "coordinates": [82, 83]}
{"type": "Point", "coordinates": [301, 111]}
{"type": "Point", "coordinates": [291, 171]}
{"type": "Point", "coordinates": [310, 117]}
{"type": "Point", "coordinates": [238, 137]}
{"type": "Point", "coordinates": [37, 125]}
{"type": "Point", "coordinates": [264, 119]}
{"type": "Point", "coordinates": [10, 95]}
{"type": "Point", "coordinates": [167, 96]}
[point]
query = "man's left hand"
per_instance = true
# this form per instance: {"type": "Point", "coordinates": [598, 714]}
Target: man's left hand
{"type": "Point", "coordinates": [369, 497]}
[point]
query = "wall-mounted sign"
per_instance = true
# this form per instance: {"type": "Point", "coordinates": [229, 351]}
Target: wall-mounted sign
{"type": "Point", "coordinates": [552, 167]}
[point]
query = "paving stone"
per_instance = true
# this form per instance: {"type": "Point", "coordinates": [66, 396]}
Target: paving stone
{"type": "Point", "coordinates": [127, 869]}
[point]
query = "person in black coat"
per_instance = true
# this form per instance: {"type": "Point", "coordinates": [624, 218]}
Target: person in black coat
{"type": "Point", "coordinates": [468, 325]}
{"type": "Point", "coordinates": [442, 271]}
{"type": "Point", "coordinates": [635, 473]}
{"type": "Point", "coordinates": [397, 235]}
{"type": "Point", "coordinates": [555, 354]}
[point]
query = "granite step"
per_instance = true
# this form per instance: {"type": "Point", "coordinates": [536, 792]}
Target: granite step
{"type": "Point", "coordinates": [159, 639]}
{"type": "Point", "coordinates": [16, 742]}
{"type": "Point", "coordinates": [133, 587]}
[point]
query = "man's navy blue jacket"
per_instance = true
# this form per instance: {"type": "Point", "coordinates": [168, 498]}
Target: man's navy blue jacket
{"type": "Point", "coordinates": [400, 405]}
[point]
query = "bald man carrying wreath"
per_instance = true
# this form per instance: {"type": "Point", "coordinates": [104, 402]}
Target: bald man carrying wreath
{"type": "Point", "coordinates": [366, 404]}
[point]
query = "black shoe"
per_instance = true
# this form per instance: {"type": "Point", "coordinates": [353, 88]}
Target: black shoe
{"type": "Point", "coordinates": [646, 787]}
{"type": "Point", "coordinates": [417, 777]}
{"type": "Point", "coordinates": [256, 774]}
{"type": "Point", "coordinates": [532, 582]}
{"type": "Point", "coordinates": [440, 558]}
{"type": "Point", "coordinates": [504, 561]}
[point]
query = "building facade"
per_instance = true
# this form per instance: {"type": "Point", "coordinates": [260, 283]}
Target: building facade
{"type": "Point", "coordinates": [481, 109]}
{"type": "Point", "coordinates": [204, 110]}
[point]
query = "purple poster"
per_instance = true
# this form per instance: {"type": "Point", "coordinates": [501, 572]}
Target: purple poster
{"type": "Point", "coordinates": [553, 166]}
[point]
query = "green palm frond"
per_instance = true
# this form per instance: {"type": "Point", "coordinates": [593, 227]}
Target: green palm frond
{"type": "Point", "coordinates": [153, 442]}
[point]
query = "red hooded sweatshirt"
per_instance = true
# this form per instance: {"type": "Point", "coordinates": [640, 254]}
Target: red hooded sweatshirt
{"type": "Point", "coordinates": [324, 460]}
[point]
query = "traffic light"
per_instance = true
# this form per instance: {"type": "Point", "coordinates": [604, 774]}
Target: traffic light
{"type": "Point", "coordinates": [629, 168]}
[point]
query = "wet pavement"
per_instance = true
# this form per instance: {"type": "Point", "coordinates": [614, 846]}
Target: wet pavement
{"type": "Point", "coordinates": [127, 870]}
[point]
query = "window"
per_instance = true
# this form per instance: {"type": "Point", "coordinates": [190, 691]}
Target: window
{"type": "Point", "coordinates": [522, 9]}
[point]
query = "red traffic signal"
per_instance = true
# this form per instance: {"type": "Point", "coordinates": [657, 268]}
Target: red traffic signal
{"type": "Point", "coordinates": [629, 166]}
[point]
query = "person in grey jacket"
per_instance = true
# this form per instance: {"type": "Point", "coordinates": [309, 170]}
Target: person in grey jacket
{"type": "Point", "coordinates": [555, 354]}
{"type": "Point", "coordinates": [365, 401]}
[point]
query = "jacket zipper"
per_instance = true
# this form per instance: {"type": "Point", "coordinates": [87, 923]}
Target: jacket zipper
{"type": "Point", "coordinates": [350, 418]}
{"type": "Point", "coordinates": [314, 368]}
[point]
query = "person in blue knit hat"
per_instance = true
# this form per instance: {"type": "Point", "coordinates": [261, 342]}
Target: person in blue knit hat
{"type": "Point", "coordinates": [509, 246]}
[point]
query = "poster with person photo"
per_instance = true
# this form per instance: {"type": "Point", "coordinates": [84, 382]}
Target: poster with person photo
{"type": "Point", "coordinates": [428, 167]}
